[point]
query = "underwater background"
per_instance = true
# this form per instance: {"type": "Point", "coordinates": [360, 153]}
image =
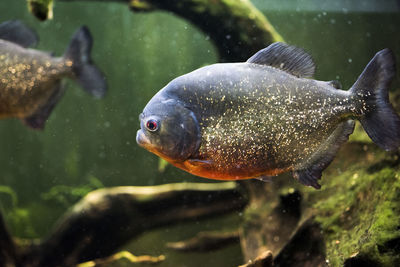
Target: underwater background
{"type": "Point", "coordinates": [89, 144]}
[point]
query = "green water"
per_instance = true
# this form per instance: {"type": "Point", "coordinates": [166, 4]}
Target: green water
{"type": "Point", "coordinates": [91, 143]}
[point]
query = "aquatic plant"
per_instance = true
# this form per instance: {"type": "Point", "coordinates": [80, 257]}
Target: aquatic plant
{"type": "Point", "coordinates": [11, 193]}
{"type": "Point", "coordinates": [68, 195]}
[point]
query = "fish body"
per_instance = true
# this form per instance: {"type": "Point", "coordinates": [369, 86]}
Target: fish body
{"type": "Point", "coordinates": [30, 80]}
{"type": "Point", "coordinates": [259, 118]}
{"type": "Point", "coordinates": [268, 122]}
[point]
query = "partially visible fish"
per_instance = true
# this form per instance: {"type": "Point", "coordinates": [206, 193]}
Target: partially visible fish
{"type": "Point", "coordinates": [266, 116]}
{"type": "Point", "coordinates": [30, 80]}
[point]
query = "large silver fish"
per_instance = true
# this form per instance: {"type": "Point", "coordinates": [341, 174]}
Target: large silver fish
{"type": "Point", "coordinates": [266, 116]}
{"type": "Point", "coordinates": [30, 80]}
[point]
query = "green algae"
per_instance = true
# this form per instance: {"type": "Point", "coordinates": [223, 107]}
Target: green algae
{"type": "Point", "coordinates": [162, 165]}
{"type": "Point", "coordinates": [31, 220]}
{"type": "Point", "coordinates": [246, 9]}
{"type": "Point", "coordinates": [359, 135]}
{"type": "Point", "coordinates": [362, 217]}
{"type": "Point", "coordinates": [140, 5]}
{"type": "Point", "coordinates": [19, 220]}
{"type": "Point", "coordinates": [68, 195]}
{"type": "Point", "coordinates": [10, 193]}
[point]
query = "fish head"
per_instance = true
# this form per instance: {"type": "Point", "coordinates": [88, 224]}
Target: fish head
{"type": "Point", "coordinates": [169, 130]}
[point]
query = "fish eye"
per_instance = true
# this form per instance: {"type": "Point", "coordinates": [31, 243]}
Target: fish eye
{"type": "Point", "coordinates": [152, 125]}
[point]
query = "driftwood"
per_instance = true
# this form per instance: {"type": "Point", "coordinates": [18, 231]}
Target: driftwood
{"type": "Point", "coordinates": [113, 216]}
{"type": "Point", "coordinates": [7, 246]}
{"type": "Point", "coordinates": [237, 28]}
{"type": "Point", "coordinates": [351, 221]}
{"type": "Point", "coordinates": [123, 255]}
{"type": "Point", "coordinates": [305, 248]}
{"type": "Point", "coordinates": [265, 259]}
{"type": "Point", "coordinates": [206, 241]}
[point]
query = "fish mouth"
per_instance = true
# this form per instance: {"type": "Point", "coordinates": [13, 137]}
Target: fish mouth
{"type": "Point", "coordinates": [142, 139]}
{"type": "Point", "coordinates": [145, 142]}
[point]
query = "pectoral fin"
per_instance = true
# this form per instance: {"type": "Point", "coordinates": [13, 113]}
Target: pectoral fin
{"type": "Point", "coordinates": [39, 118]}
{"type": "Point", "coordinates": [199, 162]}
{"type": "Point", "coordinates": [310, 171]}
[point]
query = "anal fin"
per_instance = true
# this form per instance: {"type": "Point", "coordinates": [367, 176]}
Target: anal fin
{"type": "Point", "coordinates": [39, 118]}
{"type": "Point", "coordinates": [310, 171]}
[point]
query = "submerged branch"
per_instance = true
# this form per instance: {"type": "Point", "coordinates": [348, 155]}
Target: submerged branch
{"type": "Point", "coordinates": [206, 241]}
{"type": "Point", "coordinates": [7, 247]}
{"type": "Point", "coordinates": [237, 28]}
{"type": "Point", "coordinates": [144, 259]}
{"type": "Point", "coordinates": [265, 259]}
{"type": "Point", "coordinates": [113, 216]}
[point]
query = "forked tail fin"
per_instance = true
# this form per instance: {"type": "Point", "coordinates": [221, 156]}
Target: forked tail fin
{"type": "Point", "coordinates": [87, 74]}
{"type": "Point", "coordinates": [374, 110]}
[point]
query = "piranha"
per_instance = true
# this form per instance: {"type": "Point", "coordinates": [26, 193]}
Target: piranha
{"type": "Point", "coordinates": [30, 80]}
{"type": "Point", "coordinates": [266, 116]}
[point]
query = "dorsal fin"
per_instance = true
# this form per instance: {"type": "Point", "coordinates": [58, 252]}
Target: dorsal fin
{"type": "Point", "coordinates": [15, 31]}
{"type": "Point", "coordinates": [287, 58]}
